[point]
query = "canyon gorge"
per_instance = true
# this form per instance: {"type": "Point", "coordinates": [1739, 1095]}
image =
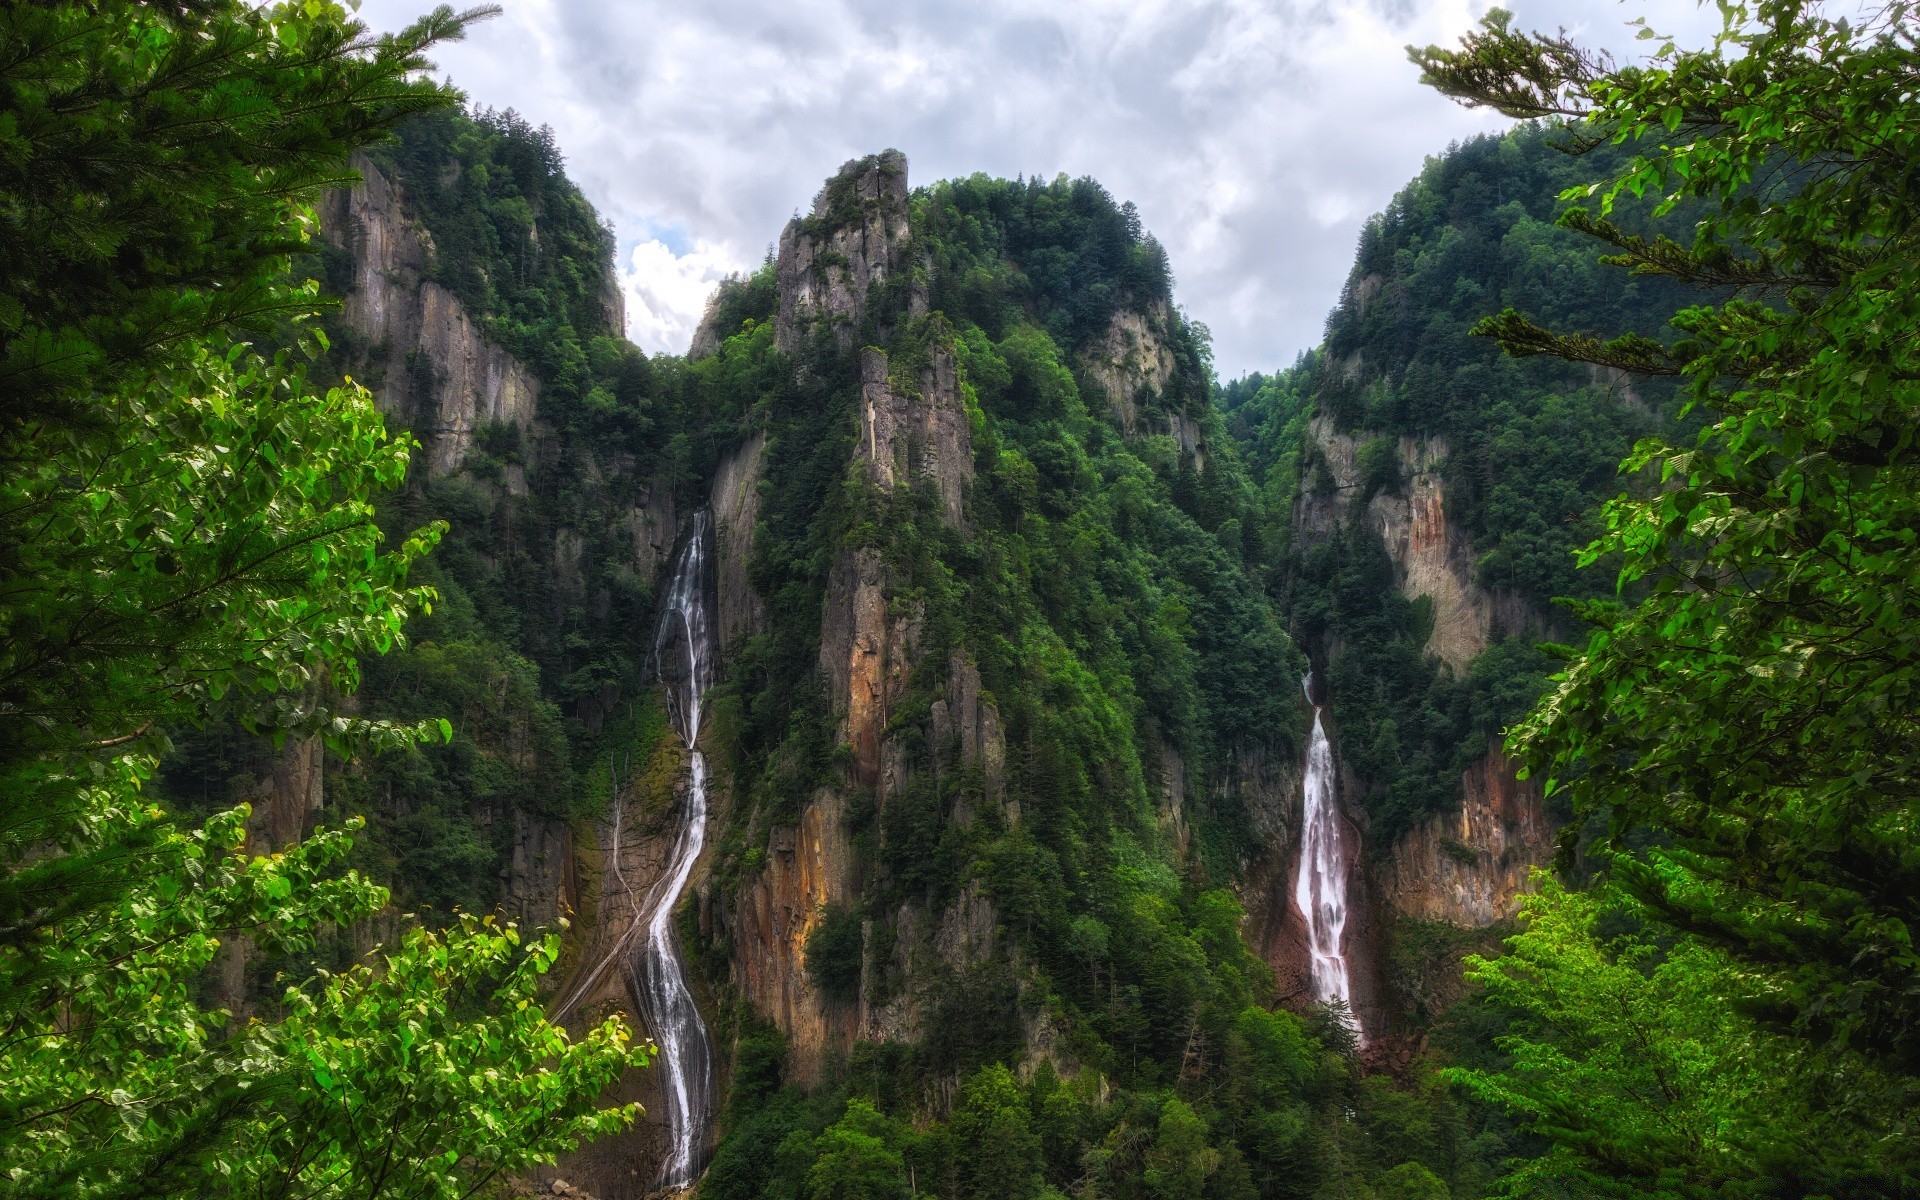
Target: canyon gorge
{"type": "Point", "coordinates": [908, 680]}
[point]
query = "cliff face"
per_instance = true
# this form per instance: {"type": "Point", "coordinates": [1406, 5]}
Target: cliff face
{"type": "Point", "coordinates": [854, 241]}
{"type": "Point", "coordinates": [1430, 559]}
{"type": "Point", "coordinates": [1466, 868]}
{"type": "Point", "coordinates": [1470, 869]}
{"type": "Point", "coordinates": [912, 431]}
{"type": "Point", "coordinates": [906, 715]}
{"type": "Point", "coordinates": [1131, 362]}
{"type": "Point", "coordinates": [917, 427]}
{"type": "Point", "coordinates": [423, 356]}
{"type": "Point", "coordinates": [735, 504]}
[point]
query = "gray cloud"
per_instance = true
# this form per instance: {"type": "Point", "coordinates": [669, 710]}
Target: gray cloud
{"type": "Point", "coordinates": [1256, 136]}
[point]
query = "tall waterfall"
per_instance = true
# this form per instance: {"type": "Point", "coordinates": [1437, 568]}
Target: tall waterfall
{"type": "Point", "coordinates": [683, 649]}
{"type": "Point", "coordinates": [1320, 884]}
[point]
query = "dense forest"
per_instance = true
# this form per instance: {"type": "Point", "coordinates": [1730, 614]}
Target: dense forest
{"type": "Point", "coordinates": [339, 777]}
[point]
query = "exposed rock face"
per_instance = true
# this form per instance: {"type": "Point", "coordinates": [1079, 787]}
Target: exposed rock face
{"type": "Point", "coordinates": [289, 798]}
{"type": "Point", "coordinates": [735, 503]}
{"type": "Point", "coordinates": [540, 882]}
{"type": "Point", "coordinates": [965, 725]}
{"type": "Point", "coordinates": [430, 364]}
{"type": "Point", "coordinates": [1466, 868]}
{"type": "Point", "coordinates": [626, 857]}
{"type": "Point", "coordinates": [865, 657]}
{"type": "Point", "coordinates": [285, 802]}
{"type": "Point", "coordinates": [913, 431]}
{"type": "Point", "coordinates": [854, 241]}
{"type": "Point", "coordinates": [1131, 356]}
{"type": "Point", "coordinates": [1271, 792]}
{"type": "Point", "coordinates": [1432, 559]}
{"type": "Point", "coordinates": [1470, 869]}
{"type": "Point", "coordinates": [706, 335]}
{"type": "Point", "coordinates": [654, 525]}
{"type": "Point", "coordinates": [613, 303]}
{"type": "Point", "coordinates": [808, 869]}
{"type": "Point", "coordinates": [908, 435]}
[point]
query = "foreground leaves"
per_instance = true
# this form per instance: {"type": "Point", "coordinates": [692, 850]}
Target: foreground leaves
{"type": "Point", "coordinates": [185, 522]}
{"type": "Point", "coordinates": [1747, 728]}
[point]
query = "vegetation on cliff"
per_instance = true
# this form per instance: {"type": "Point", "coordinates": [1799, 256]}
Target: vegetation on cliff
{"type": "Point", "coordinates": [1035, 949]}
{"type": "Point", "coordinates": [1528, 451]}
{"type": "Point", "coordinates": [1108, 590]}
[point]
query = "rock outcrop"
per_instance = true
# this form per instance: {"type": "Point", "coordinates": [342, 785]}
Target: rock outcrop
{"type": "Point", "coordinates": [917, 430]}
{"type": "Point", "coordinates": [426, 360]}
{"type": "Point", "coordinates": [1470, 868]}
{"type": "Point", "coordinates": [1131, 361]}
{"type": "Point", "coordinates": [809, 869]}
{"type": "Point", "coordinates": [285, 802]}
{"type": "Point", "coordinates": [1430, 557]}
{"type": "Point", "coordinates": [1466, 868]}
{"type": "Point", "coordinates": [854, 241]}
{"type": "Point", "coordinates": [1133, 364]}
{"type": "Point", "coordinates": [913, 432]}
{"type": "Point", "coordinates": [735, 503]}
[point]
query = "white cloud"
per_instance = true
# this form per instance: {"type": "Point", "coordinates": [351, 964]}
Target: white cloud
{"type": "Point", "coordinates": [667, 292]}
{"type": "Point", "coordinates": [1254, 135]}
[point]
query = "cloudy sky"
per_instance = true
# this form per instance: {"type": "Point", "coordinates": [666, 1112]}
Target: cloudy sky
{"type": "Point", "coordinates": [1254, 135]}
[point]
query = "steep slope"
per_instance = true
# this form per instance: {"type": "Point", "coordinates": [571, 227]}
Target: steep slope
{"type": "Point", "coordinates": [1432, 494]}
{"type": "Point", "coordinates": [1007, 741]}
{"type": "Point", "coordinates": [1012, 727]}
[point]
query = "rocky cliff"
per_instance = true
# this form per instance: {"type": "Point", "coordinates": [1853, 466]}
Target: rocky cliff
{"type": "Point", "coordinates": [912, 431]}
{"type": "Point", "coordinates": [1466, 868]}
{"type": "Point", "coordinates": [903, 686]}
{"type": "Point", "coordinates": [1470, 869]}
{"type": "Point", "coordinates": [854, 242]}
{"type": "Point", "coordinates": [418, 349]}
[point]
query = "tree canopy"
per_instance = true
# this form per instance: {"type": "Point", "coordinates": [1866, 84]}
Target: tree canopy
{"type": "Point", "coordinates": [1744, 716]}
{"type": "Point", "coordinates": [185, 522]}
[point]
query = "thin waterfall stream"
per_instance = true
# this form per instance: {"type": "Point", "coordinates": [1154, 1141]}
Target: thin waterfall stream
{"type": "Point", "coordinates": [683, 650]}
{"type": "Point", "coordinates": [1320, 883]}
{"type": "Point", "coordinates": [648, 954]}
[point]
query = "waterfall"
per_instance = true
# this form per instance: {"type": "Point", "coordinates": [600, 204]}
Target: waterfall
{"type": "Point", "coordinates": [1320, 884]}
{"type": "Point", "coordinates": [683, 652]}
{"type": "Point", "coordinates": [683, 649]}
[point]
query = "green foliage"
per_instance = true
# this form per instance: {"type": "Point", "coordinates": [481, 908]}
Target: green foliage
{"type": "Point", "coordinates": [1741, 719]}
{"type": "Point", "coordinates": [1063, 252]}
{"type": "Point", "coordinates": [996, 1152]}
{"type": "Point", "coordinates": [1639, 1059]}
{"type": "Point", "coordinates": [1268, 1110]}
{"type": "Point", "coordinates": [189, 524]}
{"type": "Point", "coordinates": [834, 953]}
{"type": "Point", "coordinates": [1411, 1181]}
{"type": "Point", "coordinates": [853, 1160]}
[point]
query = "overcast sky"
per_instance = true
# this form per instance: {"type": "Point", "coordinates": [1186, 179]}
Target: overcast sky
{"type": "Point", "coordinates": [1256, 136]}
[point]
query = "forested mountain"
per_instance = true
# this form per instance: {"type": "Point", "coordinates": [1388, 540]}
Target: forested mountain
{"type": "Point", "coordinates": [989, 756]}
{"type": "Point", "coordinates": [1011, 602]}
